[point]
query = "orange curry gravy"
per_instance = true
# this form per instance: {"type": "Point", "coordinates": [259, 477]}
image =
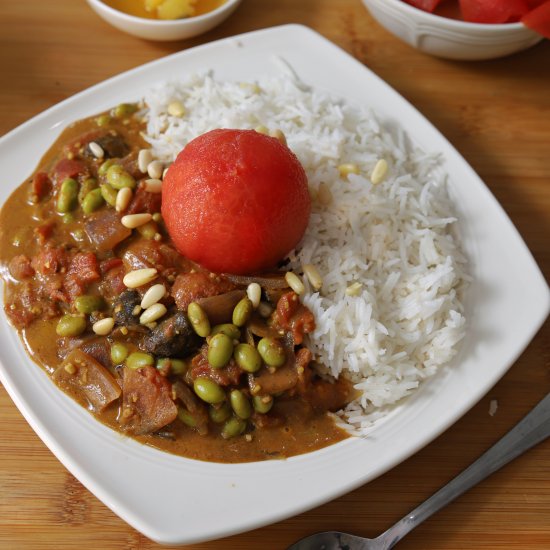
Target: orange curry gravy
{"type": "Point", "coordinates": [56, 263]}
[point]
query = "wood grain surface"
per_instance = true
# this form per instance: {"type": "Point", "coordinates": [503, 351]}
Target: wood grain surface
{"type": "Point", "coordinates": [496, 113]}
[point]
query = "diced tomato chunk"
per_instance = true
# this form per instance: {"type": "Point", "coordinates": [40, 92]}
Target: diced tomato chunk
{"type": "Point", "coordinates": [20, 267]}
{"type": "Point", "coordinates": [189, 287]}
{"type": "Point", "coordinates": [40, 186]}
{"type": "Point", "coordinates": [110, 263]}
{"type": "Point", "coordinates": [44, 232]}
{"type": "Point", "coordinates": [83, 270]}
{"type": "Point", "coordinates": [538, 19]}
{"type": "Point", "coordinates": [144, 201]}
{"type": "Point", "coordinates": [226, 376]}
{"type": "Point", "coordinates": [147, 402]}
{"type": "Point", "coordinates": [292, 315]}
{"type": "Point", "coordinates": [50, 260]}
{"type": "Point", "coordinates": [68, 168]}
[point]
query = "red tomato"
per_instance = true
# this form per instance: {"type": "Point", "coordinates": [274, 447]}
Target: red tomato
{"type": "Point", "coordinates": [539, 19]}
{"type": "Point", "coordinates": [236, 201]}
{"type": "Point", "coordinates": [493, 11]}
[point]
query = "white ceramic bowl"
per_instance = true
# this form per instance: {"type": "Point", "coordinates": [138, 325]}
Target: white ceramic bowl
{"type": "Point", "coordinates": [154, 29]}
{"type": "Point", "coordinates": [444, 37]}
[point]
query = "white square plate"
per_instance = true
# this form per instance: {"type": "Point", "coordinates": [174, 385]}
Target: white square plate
{"type": "Point", "coordinates": [176, 500]}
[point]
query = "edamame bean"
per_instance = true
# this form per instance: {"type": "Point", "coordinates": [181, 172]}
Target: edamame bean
{"type": "Point", "coordinates": [92, 201]}
{"type": "Point", "coordinates": [220, 350]}
{"type": "Point", "coordinates": [186, 417]}
{"type": "Point", "coordinates": [71, 325]}
{"type": "Point", "coordinates": [242, 312]}
{"type": "Point", "coordinates": [262, 404]}
{"type": "Point", "coordinates": [247, 357]}
{"type": "Point", "coordinates": [148, 230]}
{"type": "Point", "coordinates": [89, 303]}
{"type": "Point", "coordinates": [118, 178]}
{"type": "Point", "coordinates": [124, 109]}
{"type": "Point", "coordinates": [233, 427]}
{"type": "Point", "coordinates": [139, 359]}
{"type": "Point", "coordinates": [103, 120]}
{"type": "Point", "coordinates": [68, 196]}
{"type": "Point", "coordinates": [68, 217]}
{"type": "Point", "coordinates": [108, 194]}
{"type": "Point", "coordinates": [86, 186]}
{"type": "Point", "coordinates": [198, 319]}
{"type": "Point", "coordinates": [102, 171]}
{"type": "Point", "coordinates": [119, 352]}
{"type": "Point", "coordinates": [208, 390]}
{"type": "Point", "coordinates": [240, 404]}
{"type": "Point", "coordinates": [272, 352]}
{"type": "Point", "coordinates": [219, 414]}
{"type": "Point", "coordinates": [176, 366]}
{"type": "Point", "coordinates": [227, 328]}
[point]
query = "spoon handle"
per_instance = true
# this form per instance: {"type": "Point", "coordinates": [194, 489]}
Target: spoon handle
{"type": "Point", "coordinates": [533, 429]}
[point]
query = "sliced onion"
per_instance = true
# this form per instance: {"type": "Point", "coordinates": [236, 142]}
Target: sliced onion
{"type": "Point", "coordinates": [273, 281]}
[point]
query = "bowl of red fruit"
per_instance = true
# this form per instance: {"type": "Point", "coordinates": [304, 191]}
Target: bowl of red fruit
{"type": "Point", "coordinates": [465, 29]}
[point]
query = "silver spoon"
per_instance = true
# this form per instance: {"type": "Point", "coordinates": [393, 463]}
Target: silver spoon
{"type": "Point", "coordinates": [533, 429]}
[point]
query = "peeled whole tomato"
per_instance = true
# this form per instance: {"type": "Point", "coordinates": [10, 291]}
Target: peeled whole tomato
{"type": "Point", "coordinates": [236, 201]}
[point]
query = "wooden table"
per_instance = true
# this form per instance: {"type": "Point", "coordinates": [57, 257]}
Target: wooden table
{"type": "Point", "coordinates": [496, 113]}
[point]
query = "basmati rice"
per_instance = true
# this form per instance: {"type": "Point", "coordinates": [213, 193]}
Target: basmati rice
{"type": "Point", "coordinates": [396, 239]}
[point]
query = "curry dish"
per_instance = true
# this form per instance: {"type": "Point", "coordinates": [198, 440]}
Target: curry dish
{"type": "Point", "coordinates": [203, 365]}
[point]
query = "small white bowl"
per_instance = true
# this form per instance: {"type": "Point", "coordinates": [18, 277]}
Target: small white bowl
{"type": "Point", "coordinates": [444, 37]}
{"type": "Point", "coordinates": [155, 29]}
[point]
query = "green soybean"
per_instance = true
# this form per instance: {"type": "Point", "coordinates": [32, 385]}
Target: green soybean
{"type": "Point", "coordinates": [68, 217]}
{"type": "Point", "coordinates": [198, 319]}
{"type": "Point", "coordinates": [262, 404]}
{"type": "Point", "coordinates": [240, 404]}
{"type": "Point", "coordinates": [220, 350]}
{"type": "Point", "coordinates": [103, 120]}
{"type": "Point", "coordinates": [92, 201]}
{"type": "Point", "coordinates": [242, 312]}
{"type": "Point", "coordinates": [119, 352]}
{"type": "Point", "coordinates": [227, 328]}
{"type": "Point", "coordinates": [247, 357]}
{"type": "Point", "coordinates": [176, 366]}
{"type": "Point", "coordinates": [102, 171]}
{"type": "Point", "coordinates": [148, 230]}
{"type": "Point", "coordinates": [67, 198]}
{"type": "Point", "coordinates": [220, 413]}
{"type": "Point", "coordinates": [139, 359]}
{"type": "Point", "coordinates": [108, 193]}
{"type": "Point", "coordinates": [89, 303]}
{"type": "Point", "coordinates": [272, 352]}
{"type": "Point", "coordinates": [208, 390]}
{"type": "Point", "coordinates": [187, 418]}
{"type": "Point", "coordinates": [71, 325]}
{"type": "Point", "coordinates": [86, 186]}
{"type": "Point", "coordinates": [124, 109]}
{"type": "Point", "coordinates": [118, 178]}
{"type": "Point", "coordinates": [233, 427]}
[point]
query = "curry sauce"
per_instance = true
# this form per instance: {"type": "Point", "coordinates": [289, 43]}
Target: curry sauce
{"type": "Point", "coordinates": [67, 246]}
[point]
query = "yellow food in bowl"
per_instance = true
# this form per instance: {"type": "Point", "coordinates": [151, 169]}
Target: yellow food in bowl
{"type": "Point", "coordinates": [165, 9]}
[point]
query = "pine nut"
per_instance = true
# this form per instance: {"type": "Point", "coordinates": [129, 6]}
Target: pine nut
{"type": "Point", "coordinates": [165, 171]}
{"type": "Point", "coordinates": [324, 195]}
{"type": "Point", "coordinates": [103, 326]}
{"type": "Point", "coordinates": [156, 311]}
{"type": "Point", "coordinates": [145, 157]}
{"type": "Point", "coordinates": [132, 221]}
{"type": "Point", "coordinates": [279, 135]}
{"type": "Point", "coordinates": [153, 295]}
{"type": "Point", "coordinates": [175, 108]}
{"type": "Point", "coordinates": [354, 289]}
{"type": "Point", "coordinates": [153, 186]}
{"type": "Point", "coordinates": [96, 150]}
{"type": "Point", "coordinates": [313, 275]}
{"type": "Point", "coordinates": [154, 169]}
{"type": "Point", "coordinates": [254, 293]}
{"type": "Point", "coordinates": [379, 173]}
{"type": "Point", "coordinates": [265, 309]}
{"type": "Point", "coordinates": [294, 282]}
{"type": "Point", "coordinates": [262, 130]}
{"type": "Point", "coordinates": [347, 169]}
{"type": "Point", "coordinates": [139, 277]}
{"type": "Point", "coordinates": [123, 198]}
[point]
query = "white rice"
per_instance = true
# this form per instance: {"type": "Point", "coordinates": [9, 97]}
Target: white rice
{"type": "Point", "coordinates": [395, 238]}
